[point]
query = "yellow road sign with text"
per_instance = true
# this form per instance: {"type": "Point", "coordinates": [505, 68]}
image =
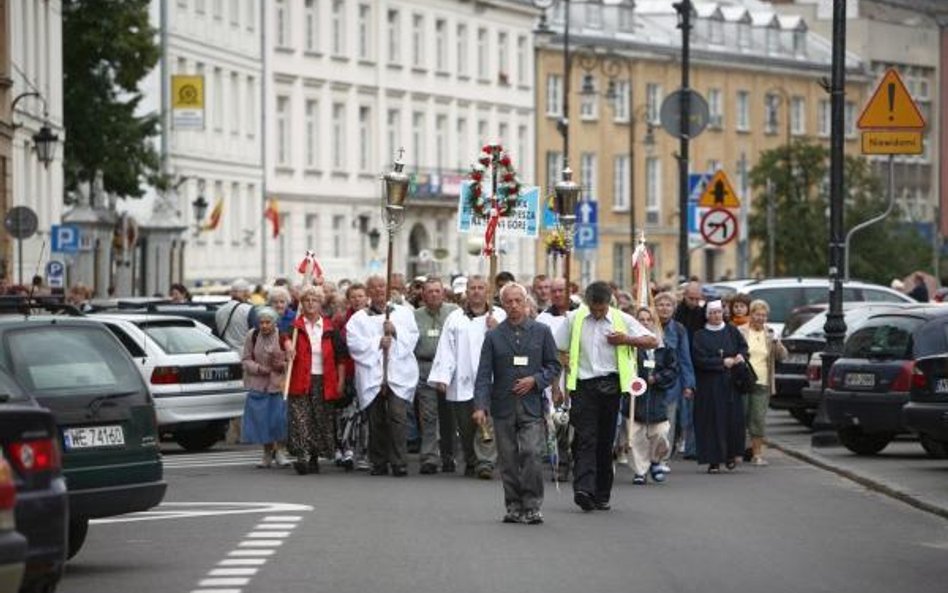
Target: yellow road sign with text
{"type": "Point", "coordinates": [891, 107]}
{"type": "Point", "coordinates": [892, 142]}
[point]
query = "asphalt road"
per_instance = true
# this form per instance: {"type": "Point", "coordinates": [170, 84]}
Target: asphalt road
{"type": "Point", "coordinates": [787, 527]}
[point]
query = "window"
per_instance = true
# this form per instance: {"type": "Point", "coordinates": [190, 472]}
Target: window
{"type": "Point", "coordinates": [338, 235]}
{"type": "Point", "coordinates": [418, 41]}
{"type": "Point", "coordinates": [312, 25]}
{"type": "Point", "coordinates": [282, 23]}
{"type": "Point", "coordinates": [825, 118]}
{"type": "Point", "coordinates": [200, 6]}
{"type": "Point", "coordinates": [365, 138]}
{"type": "Point", "coordinates": [521, 154]}
{"type": "Point", "coordinates": [251, 98]}
{"type": "Point", "coordinates": [338, 135]}
{"type": "Point", "coordinates": [588, 101]}
{"type": "Point", "coordinates": [312, 133]}
{"type": "Point", "coordinates": [653, 100]}
{"type": "Point", "coordinates": [441, 138]}
{"type": "Point", "coordinates": [235, 13]}
{"type": "Point", "coordinates": [522, 60]}
{"type": "Point", "coordinates": [797, 116]}
{"type": "Point", "coordinates": [251, 15]}
{"type": "Point", "coordinates": [234, 103]}
{"type": "Point", "coordinates": [772, 39]}
{"type": "Point", "coordinates": [850, 119]}
{"type": "Point", "coordinates": [482, 54]}
{"type": "Point", "coordinates": [233, 224]}
{"type": "Point", "coordinates": [554, 169]}
{"type": "Point", "coordinates": [462, 50]}
{"type": "Point", "coordinates": [620, 104]}
{"type": "Point", "coordinates": [717, 31]}
{"type": "Point", "coordinates": [218, 100]}
{"type": "Point", "coordinates": [626, 18]}
{"type": "Point", "coordinates": [338, 28]}
{"type": "Point", "coordinates": [622, 264]}
{"type": "Point", "coordinates": [620, 183]}
{"type": "Point", "coordinates": [365, 28]}
{"type": "Point", "coordinates": [743, 111]}
{"type": "Point", "coordinates": [418, 137]}
{"type": "Point", "coordinates": [653, 190]}
{"type": "Point", "coordinates": [554, 95]}
{"type": "Point", "coordinates": [715, 108]}
{"type": "Point", "coordinates": [218, 9]}
{"type": "Point", "coordinates": [587, 173]}
{"type": "Point", "coordinates": [483, 135]}
{"type": "Point", "coordinates": [312, 232]}
{"type": "Point", "coordinates": [441, 45]}
{"type": "Point", "coordinates": [799, 43]}
{"type": "Point", "coordinates": [503, 58]}
{"type": "Point", "coordinates": [771, 102]}
{"type": "Point", "coordinates": [461, 143]}
{"type": "Point", "coordinates": [393, 124]}
{"type": "Point", "coordinates": [283, 131]}
{"type": "Point", "coordinates": [594, 16]}
{"type": "Point", "coordinates": [394, 38]}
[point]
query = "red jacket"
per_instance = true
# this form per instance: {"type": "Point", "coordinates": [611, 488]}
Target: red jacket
{"type": "Point", "coordinates": [300, 380]}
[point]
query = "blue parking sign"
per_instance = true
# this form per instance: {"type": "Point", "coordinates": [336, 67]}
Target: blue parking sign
{"type": "Point", "coordinates": [65, 238]}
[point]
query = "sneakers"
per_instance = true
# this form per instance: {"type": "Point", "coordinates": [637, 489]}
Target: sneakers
{"type": "Point", "coordinates": [513, 516]}
{"type": "Point", "coordinates": [623, 458]}
{"type": "Point", "coordinates": [664, 467]}
{"type": "Point", "coordinates": [584, 500]}
{"type": "Point", "coordinates": [399, 471]}
{"type": "Point", "coordinates": [657, 474]}
{"type": "Point", "coordinates": [638, 479]}
{"type": "Point", "coordinates": [533, 517]}
{"type": "Point", "coordinates": [759, 461]}
{"type": "Point", "coordinates": [267, 460]}
{"type": "Point", "coordinates": [603, 506]}
{"type": "Point", "coordinates": [280, 459]}
{"type": "Point", "coordinates": [348, 461]}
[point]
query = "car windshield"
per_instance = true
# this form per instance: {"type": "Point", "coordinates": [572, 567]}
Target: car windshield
{"type": "Point", "coordinates": [55, 360]}
{"type": "Point", "coordinates": [854, 318]}
{"type": "Point", "coordinates": [883, 337]}
{"type": "Point", "coordinates": [182, 339]}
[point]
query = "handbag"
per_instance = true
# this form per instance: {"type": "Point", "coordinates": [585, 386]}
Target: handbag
{"type": "Point", "coordinates": [743, 377]}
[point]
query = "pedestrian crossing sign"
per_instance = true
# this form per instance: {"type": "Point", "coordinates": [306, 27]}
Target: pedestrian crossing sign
{"type": "Point", "coordinates": [718, 193]}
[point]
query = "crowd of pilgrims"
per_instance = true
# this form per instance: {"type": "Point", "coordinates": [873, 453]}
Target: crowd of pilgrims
{"type": "Point", "coordinates": [356, 375]}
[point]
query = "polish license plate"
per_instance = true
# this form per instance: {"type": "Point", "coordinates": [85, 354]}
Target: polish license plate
{"type": "Point", "coordinates": [797, 358]}
{"type": "Point", "coordinates": [215, 373]}
{"type": "Point", "coordinates": [941, 386]}
{"type": "Point", "coordinates": [860, 380]}
{"type": "Point", "coordinates": [89, 437]}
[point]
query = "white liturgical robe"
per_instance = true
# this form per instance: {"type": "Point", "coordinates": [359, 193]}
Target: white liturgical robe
{"type": "Point", "coordinates": [459, 351]}
{"type": "Point", "coordinates": [364, 337]}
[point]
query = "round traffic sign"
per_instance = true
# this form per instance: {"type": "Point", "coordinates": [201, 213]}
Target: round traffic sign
{"type": "Point", "coordinates": [698, 113]}
{"type": "Point", "coordinates": [21, 222]}
{"type": "Point", "coordinates": [718, 226]}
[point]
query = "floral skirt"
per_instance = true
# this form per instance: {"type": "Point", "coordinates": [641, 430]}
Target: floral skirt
{"type": "Point", "coordinates": [312, 430]}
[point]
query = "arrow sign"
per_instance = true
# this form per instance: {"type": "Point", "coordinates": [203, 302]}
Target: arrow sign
{"type": "Point", "coordinates": [718, 226]}
{"type": "Point", "coordinates": [587, 213]}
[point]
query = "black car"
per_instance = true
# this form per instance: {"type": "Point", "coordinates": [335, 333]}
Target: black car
{"type": "Point", "coordinates": [105, 416]}
{"type": "Point", "coordinates": [30, 443]}
{"type": "Point", "coordinates": [790, 374]}
{"type": "Point", "coordinates": [869, 385]}
{"type": "Point", "coordinates": [927, 410]}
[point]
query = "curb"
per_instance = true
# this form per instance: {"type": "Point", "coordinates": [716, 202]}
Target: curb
{"type": "Point", "coordinates": [869, 483]}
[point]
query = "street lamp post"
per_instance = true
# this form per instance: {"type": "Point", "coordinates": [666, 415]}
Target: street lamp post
{"type": "Point", "coordinates": [199, 208]}
{"type": "Point", "coordinates": [684, 8]}
{"type": "Point", "coordinates": [567, 197]}
{"type": "Point", "coordinates": [395, 185]}
{"type": "Point", "coordinates": [44, 140]}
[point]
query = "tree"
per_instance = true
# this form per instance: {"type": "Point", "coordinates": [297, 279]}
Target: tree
{"type": "Point", "coordinates": [796, 175]}
{"type": "Point", "coordinates": [108, 48]}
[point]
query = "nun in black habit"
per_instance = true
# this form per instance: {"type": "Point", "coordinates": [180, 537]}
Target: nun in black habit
{"type": "Point", "coordinates": [719, 412]}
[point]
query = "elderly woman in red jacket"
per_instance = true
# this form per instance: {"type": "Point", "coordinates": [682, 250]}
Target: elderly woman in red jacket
{"type": "Point", "coordinates": [317, 379]}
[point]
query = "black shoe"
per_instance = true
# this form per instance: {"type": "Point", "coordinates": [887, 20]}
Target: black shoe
{"type": "Point", "coordinates": [714, 468]}
{"type": "Point", "coordinates": [513, 516]}
{"type": "Point", "coordinates": [301, 467]}
{"type": "Point", "coordinates": [469, 472]}
{"type": "Point", "coordinates": [584, 500]}
{"type": "Point", "coordinates": [603, 506]}
{"type": "Point", "coordinates": [428, 469]}
{"type": "Point", "coordinates": [399, 471]}
{"type": "Point", "coordinates": [533, 517]}
{"type": "Point", "coordinates": [748, 454]}
{"type": "Point", "coordinates": [730, 465]}
{"type": "Point", "coordinates": [314, 464]}
{"type": "Point", "coordinates": [379, 470]}
{"type": "Point", "coordinates": [449, 467]}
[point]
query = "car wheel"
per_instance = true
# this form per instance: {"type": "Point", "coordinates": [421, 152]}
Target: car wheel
{"type": "Point", "coordinates": [934, 448]}
{"type": "Point", "coordinates": [860, 443]}
{"type": "Point", "coordinates": [78, 529]}
{"type": "Point", "coordinates": [200, 440]}
{"type": "Point", "coordinates": [803, 416]}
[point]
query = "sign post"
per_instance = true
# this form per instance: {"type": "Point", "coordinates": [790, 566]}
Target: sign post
{"type": "Point", "coordinates": [21, 223]}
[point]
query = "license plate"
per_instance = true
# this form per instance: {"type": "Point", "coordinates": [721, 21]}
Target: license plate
{"type": "Point", "coordinates": [797, 358]}
{"type": "Point", "coordinates": [215, 373]}
{"type": "Point", "coordinates": [860, 380]}
{"type": "Point", "coordinates": [941, 386]}
{"type": "Point", "coordinates": [93, 436]}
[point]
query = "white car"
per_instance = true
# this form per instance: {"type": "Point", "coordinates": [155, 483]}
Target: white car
{"type": "Point", "coordinates": [195, 378]}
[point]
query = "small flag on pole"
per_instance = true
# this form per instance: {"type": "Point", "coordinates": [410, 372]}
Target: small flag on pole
{"type": "Point", "coordinates": [272, 213]}
{"type": "Point", "coordinates": [215, 220]}
{"type": "Point", "coordinates": [309, 266]}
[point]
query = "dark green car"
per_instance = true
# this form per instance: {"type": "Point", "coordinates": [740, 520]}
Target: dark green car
{"type": "Point", "coordinates": [105, 415]}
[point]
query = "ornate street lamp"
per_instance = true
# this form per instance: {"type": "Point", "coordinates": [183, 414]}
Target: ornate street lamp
{"type": "Point", "coordinates": [199, 208]}
{"type": "Point", "coordinates": [394, 196]}
{"type": "Point", "coordinates": [44, 140]}
{"type": "Point", "coordinates": [567, 198]}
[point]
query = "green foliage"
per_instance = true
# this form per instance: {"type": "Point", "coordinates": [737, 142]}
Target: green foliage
{"type": "Point", "coordinates": [108, 47]}
{"type": "Point", "coordinates": [885, 250]}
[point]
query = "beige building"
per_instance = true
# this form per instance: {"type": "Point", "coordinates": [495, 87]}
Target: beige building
{"type": "Point", "coordinates": [750, 66]}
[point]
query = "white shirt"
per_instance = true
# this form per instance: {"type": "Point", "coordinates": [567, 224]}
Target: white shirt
{"type": "Point", "coordinates": [597, 357]}
{"type": "Point", "coordinates": [364, 335]}
{"type": "Point", "coordinates": [459, 353]}
{"type": "Point", "coordinates": [553, 322]}
{"type": "Point", "coordinates": [315, 332]}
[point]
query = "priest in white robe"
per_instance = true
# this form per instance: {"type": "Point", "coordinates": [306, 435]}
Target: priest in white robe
{"type": "Point", "coordinates": [369, 336]}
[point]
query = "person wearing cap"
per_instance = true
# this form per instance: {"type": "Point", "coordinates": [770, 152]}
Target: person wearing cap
{"type": "Point", "coordinates": [718, 408]}
{"type": "Point", "coordinates": [235, 317]}
{"type": "Point", "coordinates": [264, 361]}
{"type": "Point", "coordinates": [430, 318]}
{"type": "Point", "coordinates": [376, 343]}
{"type": "Point", "coordinates": [599, 340]}
{"type": "Point", "coordinates": [454, 370]}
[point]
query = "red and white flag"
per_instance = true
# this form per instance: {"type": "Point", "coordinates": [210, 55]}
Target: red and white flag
{"type": "Point", "coordinates": [309, 266]}
{"type": "Point", "coordinates": [641, 270]}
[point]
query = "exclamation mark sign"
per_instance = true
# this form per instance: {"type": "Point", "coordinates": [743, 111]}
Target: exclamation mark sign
{"type": "Point", "coordinates": [891, 101]}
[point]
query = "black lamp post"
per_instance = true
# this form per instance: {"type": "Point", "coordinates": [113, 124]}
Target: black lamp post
{"type": "Point", "coordinates": [44, 140]}
{"type": "Point", "coordinates": [199, 207]}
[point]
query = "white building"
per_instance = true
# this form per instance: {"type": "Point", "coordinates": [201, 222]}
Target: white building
{"type": "Point", "coordinates": [350, 82]}
{"type": "Point", "coordinates": [36, 67]}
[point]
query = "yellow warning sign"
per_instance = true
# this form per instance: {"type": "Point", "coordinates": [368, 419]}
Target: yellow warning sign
{"type": "Point", "coordinates": [891, 107]}
{"type": "Point", "coordinates": [719, 193]}
{"type": "Point", "coordinates": [892, 142]}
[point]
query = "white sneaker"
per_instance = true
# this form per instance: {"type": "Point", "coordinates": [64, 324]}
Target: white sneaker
{"type": "Point", "coordinates": [280, 459]}
{"type": "Point", "coordinates": [663, 467]}
{"type": "Point", "coordinates": [622, 459]}
{"type": "Point", "coordinates": [266, 461]}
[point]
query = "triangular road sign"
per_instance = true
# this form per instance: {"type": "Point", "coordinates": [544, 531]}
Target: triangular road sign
{"type": "Point", "coordinates": [719, 193]}
{"type": "Point", "coordinates": [891, 107]}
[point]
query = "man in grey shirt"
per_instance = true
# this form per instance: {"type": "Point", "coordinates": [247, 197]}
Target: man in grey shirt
{"type": "Point", "coordinates": [518, 361]}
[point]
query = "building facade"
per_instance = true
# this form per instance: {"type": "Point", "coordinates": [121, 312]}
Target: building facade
{"type": "Point", "coordinates": [760, 74]}
{"type": "Point", "coordinates": [351, 84]}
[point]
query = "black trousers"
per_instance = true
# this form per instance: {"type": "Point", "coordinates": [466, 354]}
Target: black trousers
{"type": "Point", "coordinates": [594, 412]}
{"type": "Point", "coordinates": [388, 430]}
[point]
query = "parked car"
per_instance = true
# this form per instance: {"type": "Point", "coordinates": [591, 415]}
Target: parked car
{"type": "Point", "coordinates": [785, 294]}
{"type": "Point", "coordinates": [29, 440]}
{"type": "Point", "coordinates": [195, 379]}
{"type": "Point", "coordinates": [199, 311]}
{"type": "Point", "coordinates": [792, 374]}
{"type": "Point", "coordinates": [12, 542]}
{"type": "Point", "coordinates": [103, 410]}
{"type": "Point", "coordinates": [927, 410]}
{"type": "Point", "coordinates": [869, 385]}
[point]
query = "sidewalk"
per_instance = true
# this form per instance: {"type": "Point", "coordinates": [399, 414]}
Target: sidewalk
{"type": "Point", "coordinates": [902, 470]}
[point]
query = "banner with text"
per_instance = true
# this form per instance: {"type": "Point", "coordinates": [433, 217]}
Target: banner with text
{"type": "Point", "coordinates": [523, 221]}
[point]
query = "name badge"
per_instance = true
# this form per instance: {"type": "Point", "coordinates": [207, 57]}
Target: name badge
{"type": "Point", "coordinates": [521, 361]}
{"type": "Point", "coordinates": [434, 333]}
{"type": "Point", "coordinates": [649, 364]}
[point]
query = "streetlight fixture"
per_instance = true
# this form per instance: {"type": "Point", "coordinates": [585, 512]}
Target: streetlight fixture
{"type": "Point", "coordinates": [567, 198]}
{"type": "Point", "coordinates": [44, 140]}
{"type": "Point", "coordinates": [394, 196]}
{"type": "Point", "coordinates": [199, 207]}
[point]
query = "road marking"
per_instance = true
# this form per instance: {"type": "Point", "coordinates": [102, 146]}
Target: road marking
{"type": "Point", "coordinates": [223, 582]}
{"type": "Point", "coordinates": [268, 534]}
{"type": "Point", "coordinates": [277, 526]}
{"type": "Point", "coordinates": [244, 561]}
{"type": "Point", "coordinates": [188, 510]}
{"type": "Point", "coordinates": [233, 572]}
{"type": "Point", "coordinates": [261, 543]}
{"type": "Point", "coordinates": [285, 518]}
{"type": "Point", "coordinates": [215, 591]}
{"type": "Point", "coordinates": [251, 553]}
